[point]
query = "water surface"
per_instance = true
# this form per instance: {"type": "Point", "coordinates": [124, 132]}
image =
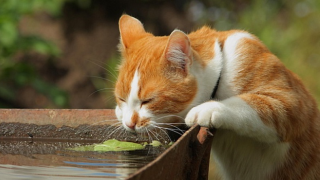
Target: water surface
{"type": "Point", "coordinates": [23, 159]}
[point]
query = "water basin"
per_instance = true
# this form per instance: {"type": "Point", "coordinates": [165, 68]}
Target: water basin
{"type": "Point", "coordinates": [26, 159]}
{"type": "Point", "coordinates": [34, 145]}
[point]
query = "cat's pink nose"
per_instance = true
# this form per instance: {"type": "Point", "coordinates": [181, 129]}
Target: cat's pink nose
{"type": "Point", "coordinates": [131, 125]}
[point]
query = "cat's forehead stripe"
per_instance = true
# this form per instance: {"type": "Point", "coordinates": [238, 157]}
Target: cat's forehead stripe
{"type": "Point", "coordinates": [133, 96]}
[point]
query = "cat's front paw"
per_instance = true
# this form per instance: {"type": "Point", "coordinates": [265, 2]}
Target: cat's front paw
{"type": "Point", "coordinates": [207, 115]}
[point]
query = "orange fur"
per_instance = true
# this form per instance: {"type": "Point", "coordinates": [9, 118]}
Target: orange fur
{"type": "Point", "coordinates": [259, 79]}
{"type": "Point", "coordinates": [155, 76]}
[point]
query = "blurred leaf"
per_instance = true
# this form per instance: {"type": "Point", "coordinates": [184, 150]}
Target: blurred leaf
{"type": "Point", "coordinates": [34, 43]}
{"type": "Point", "coordinates": [20, 74]}
{"type": "Point", "coordinates": [8, 33]}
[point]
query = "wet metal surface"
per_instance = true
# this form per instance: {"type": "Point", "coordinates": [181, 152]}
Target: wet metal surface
{"type": "Point", "coordinates": [188, 158]}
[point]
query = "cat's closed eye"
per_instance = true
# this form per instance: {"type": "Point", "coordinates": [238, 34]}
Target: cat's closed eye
{"type": "Point", "coordinates": [121, 99]}
{"type": "Point", "coordinates": [146, 101]}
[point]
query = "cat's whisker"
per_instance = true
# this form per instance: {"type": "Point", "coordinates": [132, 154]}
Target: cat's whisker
{"type": "Point", "coordinates": [141, 135]}
{"type": "Point", "coordinates": [175, 127]}
{"type": "Point", "coordinates": [171, 115]}
{"type": "Point", "coordinates": [171, 123]}
{"type": "Point", "coordinates": [111, 127]}
{"type": "Point", "coordinates": [125, 134]}
{"type": "Point", "coordinates": [170, 129]}
{"type": "Point", "coordinates": [87, 127]}
{"type": "Point", "coordinates": [121, 134]}
{"type": "Point", "coordinates": [114, 72]}
{"type": "Point", "coordinates": [98, 77]}
{"type": "Point", "coordinates": [99, 90]}
{"type": "Point", "coordinates": [156, 135]}
{"type": "Point", "coordinates": [166, 133]}
{"type": "Point", "coordinates": [146, 130]}
{"type": "Point", "coordinates": [150, 139]}
{"type": "Point", "coordinates": [109, 98]}
{"type": "Point", "coordinates": [114, 131]}
{"type": "Point", "coordinates": [105, 69]}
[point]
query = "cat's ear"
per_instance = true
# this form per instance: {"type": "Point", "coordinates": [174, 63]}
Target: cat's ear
{"type": "Point", "coordinates": [178, 51]}
{"type": "Point", "coordinates": [131, 29]}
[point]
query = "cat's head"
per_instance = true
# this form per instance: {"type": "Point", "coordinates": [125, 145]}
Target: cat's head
{"type": "Point", "coordinates": [154, 84]}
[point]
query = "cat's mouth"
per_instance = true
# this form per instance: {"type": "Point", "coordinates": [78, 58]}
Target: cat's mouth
{"type": "Point", "coordinates": [149, 125]}
{"type": "Point", "coordinates": [135, 123]}
{"type": "Point", "coordinates": [139, 126]}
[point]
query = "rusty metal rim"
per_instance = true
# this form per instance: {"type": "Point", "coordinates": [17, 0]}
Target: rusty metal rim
{"type": "Point", "coordinates": [164, 154]}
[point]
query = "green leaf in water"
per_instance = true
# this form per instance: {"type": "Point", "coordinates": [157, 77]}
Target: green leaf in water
{"type": "Point", "coordinates": [155, 143]}
{"type": "Point", "coordinates": [115, 145]}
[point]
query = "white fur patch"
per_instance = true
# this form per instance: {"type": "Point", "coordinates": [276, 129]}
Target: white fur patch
{"type": "Point", "coordinates": [232, 114]}
{"type": "Point", "coordinates": [207, 77]}
{"type": "Point", "coordinates": [132, 104]}
{"type": "Point", "coordinates": [133, 99]}
{"type": "Point", "coordinates": [230, 64]}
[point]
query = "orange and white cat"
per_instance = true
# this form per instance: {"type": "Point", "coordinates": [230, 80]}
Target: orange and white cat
{"type": "Point", "coordinates": [268, 125]}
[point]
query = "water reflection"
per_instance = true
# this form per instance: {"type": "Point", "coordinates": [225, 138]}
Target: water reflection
{"type": "Point", "coordinates": [52, 160]}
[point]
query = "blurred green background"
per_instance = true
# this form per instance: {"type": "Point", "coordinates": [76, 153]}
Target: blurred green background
{"type": "Point", "coordinates": [62, 53]}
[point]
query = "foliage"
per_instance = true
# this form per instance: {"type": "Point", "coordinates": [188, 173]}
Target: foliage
{"type": "Point", "coordinates": [17, 74]}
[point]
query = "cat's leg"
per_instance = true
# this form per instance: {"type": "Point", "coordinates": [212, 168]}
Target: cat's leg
{"type": "Point", "coordinates": [234, 114]}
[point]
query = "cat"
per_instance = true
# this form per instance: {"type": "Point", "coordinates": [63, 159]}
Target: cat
{"type": "Point", "coordinates": [268, 124]}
